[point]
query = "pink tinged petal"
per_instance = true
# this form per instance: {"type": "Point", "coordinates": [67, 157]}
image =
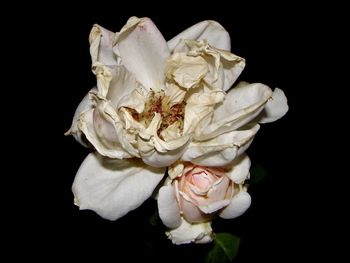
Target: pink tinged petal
{"type": "Point", "coordinates": [191, 211]}
{"type": "Point", "coordinates": [218, 190]}
{"type": "Point", "coordinates": [210, 30]}
{"type": "Point", "coordinates": [275, 108]}
{"type": "Point", "coordinates": [191, 233]}
{"type": "Point", "coordinates": [111, 188]}
{"type": "Point", "coordinates": [242, 104]}
{"type": "Point", "coordinates": [239, 204]}
{"type": "Point", "coordinates": [85, 105]}
{"type": "Point", "coordinates": [143, 51]}
{"type": "Point", "coordinates": [238, 170]}
{"type": "Point", "coordinates": [168, 207]}
{"type": "Point", "coordinates": [101, 50]}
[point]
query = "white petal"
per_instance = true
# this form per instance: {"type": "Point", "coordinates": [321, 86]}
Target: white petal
{"type": "Point", "coordinates": [188, 233]}
{"type": "Point", "coordinates": [125, 91]}
{"type": "Point", "coordinates": [112, 188]}
{"type": "Point", "coordinates": [85, 105]}
{"type": "Point", "coordinates": [187, 71]}
{"type": "Point", "coordinates": [242, 104]}
{"type": "Point", "coordinates": [199, 106]}
{"type": "Point", "coordinates": [101, 41]}
{"type": "Point", "coordinates": [221, 150]}
{"type": "Point", "coordinates": [213, 207]}
{"type": "Point", "coordinates": [275, 108]}
{"type": "Point", "coordinates": [168, 207]}
{"type": "Point", "coordinates": [105, 140]}
{"type": "Point", "coordinates": [239, 169]}
{"type": "Point", "coordinates": [209, 30]}
{"type": "Point", "coordinates": [143, 51]}
{"type": "Point", "coordinates": [239, 204]}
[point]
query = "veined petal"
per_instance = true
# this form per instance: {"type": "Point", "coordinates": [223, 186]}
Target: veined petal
{"type": "Point", "coordinates": [210, 30]}
{"type": "Point", "coordinates": [85, 105]}
{"type": "Point", "coordinates": [111, 188]}
{"type": "Point", "coordinates": [275, 108]}
{"type": "Point", "coordinates": [221, 150]}
{"type": "Point", "coordinates": [168, 207]}
{"type": "Point", "coordinates": [239, 204]}
{"type": "Point", "coordinates": [238, 170]}
{"type": "Point", "coordinates": [143, 51]}
{"type": "Point", "coordinates": [241, 105]}
{"type": "Point", "coordinates": [224, 66]}
{"type": "Point", "coordinates": [101, 49]}
{"type": "Point", "coordinates": [188, 233]}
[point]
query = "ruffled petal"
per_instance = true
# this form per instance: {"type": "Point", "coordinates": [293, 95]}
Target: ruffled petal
{"type": "Point", "coordinates": [111, 188]}
{"type": "Point", "coordinates": [101, 50]}
{"type": "Point", "coordinates": [275, 108]}
{"type": "Point", "coordinates": [239, 204]}
{"type": "Point", "coordinates": [241, 105]}
{"type": "Point", "coordinates": [85, 105]}
{"type": "Point", "coordinates": [221, 150]}
{"type": "Point", "coordinates": [238, 170]}
{"type": "Point", "coordinates": [168, 207]}
{"type": "Point", "coordinates": [209, 30]}
{"type": "Point", "coordinates": [191, 233]}
{"type": "Point", "coordinates": [143, 51]}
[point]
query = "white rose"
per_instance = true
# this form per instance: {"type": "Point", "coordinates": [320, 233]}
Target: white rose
{"type": "Point", "coordinates": [161, 102]}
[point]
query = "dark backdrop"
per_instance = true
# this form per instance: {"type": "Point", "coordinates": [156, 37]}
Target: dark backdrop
{"type": "Point", "coordinates": [275, 228]}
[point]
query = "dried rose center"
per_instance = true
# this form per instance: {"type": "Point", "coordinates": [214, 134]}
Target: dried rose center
{"type": "Point", "coordinates": [157, 102]}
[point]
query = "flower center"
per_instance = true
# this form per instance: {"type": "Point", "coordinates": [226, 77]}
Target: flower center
{"type": "Point", "coordinates": [158, 102]}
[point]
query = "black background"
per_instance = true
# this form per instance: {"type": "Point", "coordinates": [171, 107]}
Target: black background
{"type": "Point", "coordinates": [276, 43]}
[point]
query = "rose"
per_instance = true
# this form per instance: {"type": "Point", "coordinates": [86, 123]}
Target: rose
{"type": "Point", "coordinates": [160, 102]}
{"type": "Point", "coordinates": [195, 194]}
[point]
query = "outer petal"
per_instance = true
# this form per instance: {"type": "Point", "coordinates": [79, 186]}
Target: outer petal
{"type": "Point", "coordinates": [242, 104]}
{"type": "Point", "coordinates": [111, 188]}
{"type": "Point", "coordinates": [239, 204]}
{"type": "Point", "coordinates": [188, 233]}
{"type": "Point", "coordinates": [143, 51]}
{"type": "Point", "coordinates": [85, 105]}
{"type": "Point", "coordinates": [168, 207]}
{"type": "Point", "coordinates": [238, 170]}
{"type": "Point", "coordinates": [101, 51]}
{"type": "Point", "coordinates": [209, 30]}
{"type": "Point", "coordinates": [221, 150]}
{"type": "Point", "coordinates": [275, 108]}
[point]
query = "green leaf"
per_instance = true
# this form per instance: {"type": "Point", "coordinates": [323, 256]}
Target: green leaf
{"type": "Point", "coordinates": [225, 248]}
{"type": "Point", "coordinates": [257, 173]}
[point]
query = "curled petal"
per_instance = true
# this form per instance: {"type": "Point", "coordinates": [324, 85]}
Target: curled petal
{"type": "Point", "coordinates": [210, 30]}
{"type": "Point", "coordinates": [239, 204]}
{"type": "Point", "coordinates": [143, 51]}
{"type": "Point", "coordinates": [238, 170]}
{"type": "Point", "coordinates": [101, 50]}
{"type": "Point", "coordinates": [187, 71]}
{"type": "Point", "coordinates": [275, 108]}
{"type": "Point", "coordinates": [168, 208]}
{"type": "Point", "coordinates": [241, 105]}
{"type": "Point", "coordinates": [103, 136]}
{"type": "Point", "coordinates": [85, 105]}
{"type": "Point", "coordinates": [188, 233]}
{"type": "Point", "coordinates": [221, 150]}
{"type": "Point", "coordinates": [111, 188]}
